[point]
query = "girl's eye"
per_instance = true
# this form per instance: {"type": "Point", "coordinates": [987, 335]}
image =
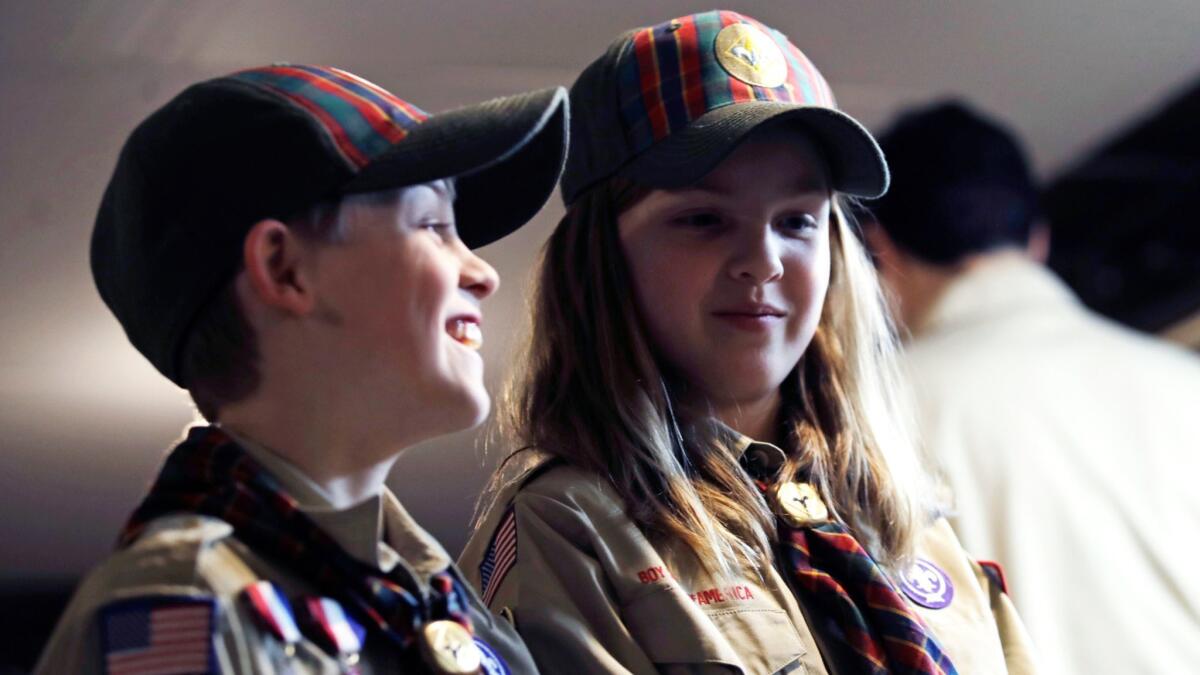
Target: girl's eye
{"type": "Point", "coordinates": [798, 223]}
{"type": "Point", "coordinates": [701, 220]}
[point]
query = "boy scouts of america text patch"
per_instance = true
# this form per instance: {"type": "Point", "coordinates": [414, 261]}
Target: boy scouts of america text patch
{"type": "Point", "coordinates": [158, 635]}
{"type": "Point", "coordinates": [500, 558]}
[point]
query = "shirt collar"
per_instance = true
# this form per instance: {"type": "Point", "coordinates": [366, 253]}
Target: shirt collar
{"type": "Point", "coordinates": [996, 286]}
{"type": "Point", "coordinates": [377, 531]}
{"type": "Point", "coordinates": [760, 459]}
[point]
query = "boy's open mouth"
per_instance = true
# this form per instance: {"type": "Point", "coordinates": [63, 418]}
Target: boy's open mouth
{"type": "Point", "coordinates": [466, 332]}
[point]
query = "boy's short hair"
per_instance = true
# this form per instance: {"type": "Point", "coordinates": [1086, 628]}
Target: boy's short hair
{"type": "Point", "coordinates": [220, 356]}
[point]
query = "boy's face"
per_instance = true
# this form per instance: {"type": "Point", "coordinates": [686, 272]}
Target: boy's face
{"type": "Point", "coordinates": [398, 304]}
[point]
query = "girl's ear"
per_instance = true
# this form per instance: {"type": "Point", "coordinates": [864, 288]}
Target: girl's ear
{"type": "Point", "coordinates": [272, 257]}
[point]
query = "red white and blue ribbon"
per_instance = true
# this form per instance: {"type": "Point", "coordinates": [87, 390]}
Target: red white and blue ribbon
{"type": "Point", "coordinates": [329, 625]}
{"type": "Point", "coordinates": [272, 611]}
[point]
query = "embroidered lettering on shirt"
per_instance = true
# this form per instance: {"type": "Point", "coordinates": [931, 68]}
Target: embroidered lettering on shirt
{"type": "Point", "coordinates": [708, 596]}
{"type": "Point", "coordinates": [716, 596]}
{"type": "Point", "coordinates": [653, 574]}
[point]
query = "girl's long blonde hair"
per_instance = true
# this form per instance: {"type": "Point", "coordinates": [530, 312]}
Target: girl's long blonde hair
{"type": "Point", "coordinates": [588, 390]}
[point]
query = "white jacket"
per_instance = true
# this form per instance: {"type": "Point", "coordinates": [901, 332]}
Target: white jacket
{"type": "Point", "coordinates": [1073, 448]}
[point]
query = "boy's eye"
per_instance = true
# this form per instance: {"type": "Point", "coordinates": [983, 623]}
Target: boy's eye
{"type": "Point", "coordinates": [440, 228]}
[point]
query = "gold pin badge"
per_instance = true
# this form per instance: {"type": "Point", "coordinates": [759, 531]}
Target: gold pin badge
{"type": "Point", "coordinates": [448, 647]}
{"type": "Point", "coordinates": [799, 504]}
{"type": "Point", "coordinates": [750, 55]}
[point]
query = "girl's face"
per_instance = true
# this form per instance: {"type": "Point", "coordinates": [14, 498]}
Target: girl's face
{"type": "Point", "coordinates": [730, 273]}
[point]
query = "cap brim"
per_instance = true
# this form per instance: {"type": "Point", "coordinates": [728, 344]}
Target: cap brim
{"type": "Point", "coordinates": [687, 155]}
{"type": "Point", "coordinates": [506, 154]}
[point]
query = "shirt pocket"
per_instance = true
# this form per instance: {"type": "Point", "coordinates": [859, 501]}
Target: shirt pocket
{"type": "Point", "coordinates": [765, 639]}
{"type": "Point", "coordinates": [680, 637]}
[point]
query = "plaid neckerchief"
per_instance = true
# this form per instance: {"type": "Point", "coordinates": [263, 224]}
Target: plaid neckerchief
{"type": "Point", "coordinates": [856, 604]}
{"type": "Point", "coordinates": [209, 474]}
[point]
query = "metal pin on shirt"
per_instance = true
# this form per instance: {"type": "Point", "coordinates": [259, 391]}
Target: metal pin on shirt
{"type": "Point", "coordinates": [449, 648]}
{"type": "Point", "coordinates": [799, 504]}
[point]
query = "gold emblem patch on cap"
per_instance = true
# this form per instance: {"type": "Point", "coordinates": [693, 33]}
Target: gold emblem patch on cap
{"type": "Point", "coordinates": [449, 648]}
{"type": "Point", "coordinates": [799, 504]}
{"type": "Point", "coordinates": [750, 55]}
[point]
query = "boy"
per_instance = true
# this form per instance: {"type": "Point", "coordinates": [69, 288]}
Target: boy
{"type": "Point", "coordinates": [291, 245]}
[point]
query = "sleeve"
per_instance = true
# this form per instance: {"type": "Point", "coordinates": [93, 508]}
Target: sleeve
{"type": "Point", "coordinates": [96, 628]}
{"type": "Point", "coordinates": [556, 591]}
{"type": "Point", "coordinates": [74, 646]}
{"type": "Point", "coordinates": [180, 582]}
{"type": "Point", "coordinates": [977, 625]}
{"type": "Point", "coordinates": [1018, 646]}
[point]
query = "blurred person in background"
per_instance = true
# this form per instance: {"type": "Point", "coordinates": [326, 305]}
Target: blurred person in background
{"type": "Point", "coordinates": [1070, 442]}
{"type": "Point", "coordinates": [291, 244]}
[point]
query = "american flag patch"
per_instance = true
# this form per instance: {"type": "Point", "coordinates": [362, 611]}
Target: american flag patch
{"type": "Point", "coordinates": [500, 558]}
{"type": "Point", "coordinates": [158, 636]}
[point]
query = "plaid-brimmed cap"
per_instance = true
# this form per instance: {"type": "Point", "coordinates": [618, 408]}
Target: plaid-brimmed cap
{"type": "Point", "coordinates": [665, 104]}
{"type": "Point", "coordinates": [195, 176]}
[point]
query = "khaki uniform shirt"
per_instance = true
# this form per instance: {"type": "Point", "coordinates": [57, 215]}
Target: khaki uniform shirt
{"type": "Point", "coordinates": [590, 593]}
{"type": "Point", "coordinates": [198, 556]}
{"type": "Point", "coordinates": [1072, 445]}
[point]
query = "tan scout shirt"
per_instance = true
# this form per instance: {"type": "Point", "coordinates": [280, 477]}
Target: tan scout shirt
{"type": "Point", "coordinates": [590, 593]}
{"type": "Point", "coordinates": [197, 556]}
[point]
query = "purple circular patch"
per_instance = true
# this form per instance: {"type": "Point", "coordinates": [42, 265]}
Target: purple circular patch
{"type": "Point", "coordinates": [927, 585]}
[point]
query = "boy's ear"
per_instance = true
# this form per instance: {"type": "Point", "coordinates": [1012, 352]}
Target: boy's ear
{"type": "Point", "coordinates": [273, 257]}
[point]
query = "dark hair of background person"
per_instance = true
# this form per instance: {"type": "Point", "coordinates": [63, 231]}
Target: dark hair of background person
{"type": "Point", "coordinates": [960, 184]}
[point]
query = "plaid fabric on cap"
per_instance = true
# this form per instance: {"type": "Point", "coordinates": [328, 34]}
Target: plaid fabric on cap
{"type": "Point", "coordinates": [673, 76]}
{"type": "Point", "coordinates": [361, 119]}
{"type": "Point", "coordinates": [663, 105]}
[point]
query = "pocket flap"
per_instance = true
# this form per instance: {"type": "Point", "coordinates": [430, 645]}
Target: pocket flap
{"type": "Point", "coordinates": [674, 632]}
{"type": "Point", "coordinates": [765, 639]}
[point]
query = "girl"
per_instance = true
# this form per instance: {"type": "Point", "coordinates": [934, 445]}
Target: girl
{"type": "Point", "coordinates": [715, 474]}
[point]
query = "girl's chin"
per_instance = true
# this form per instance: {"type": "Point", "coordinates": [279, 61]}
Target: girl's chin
{"type": "Point", "coordinates": [747, 379]}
